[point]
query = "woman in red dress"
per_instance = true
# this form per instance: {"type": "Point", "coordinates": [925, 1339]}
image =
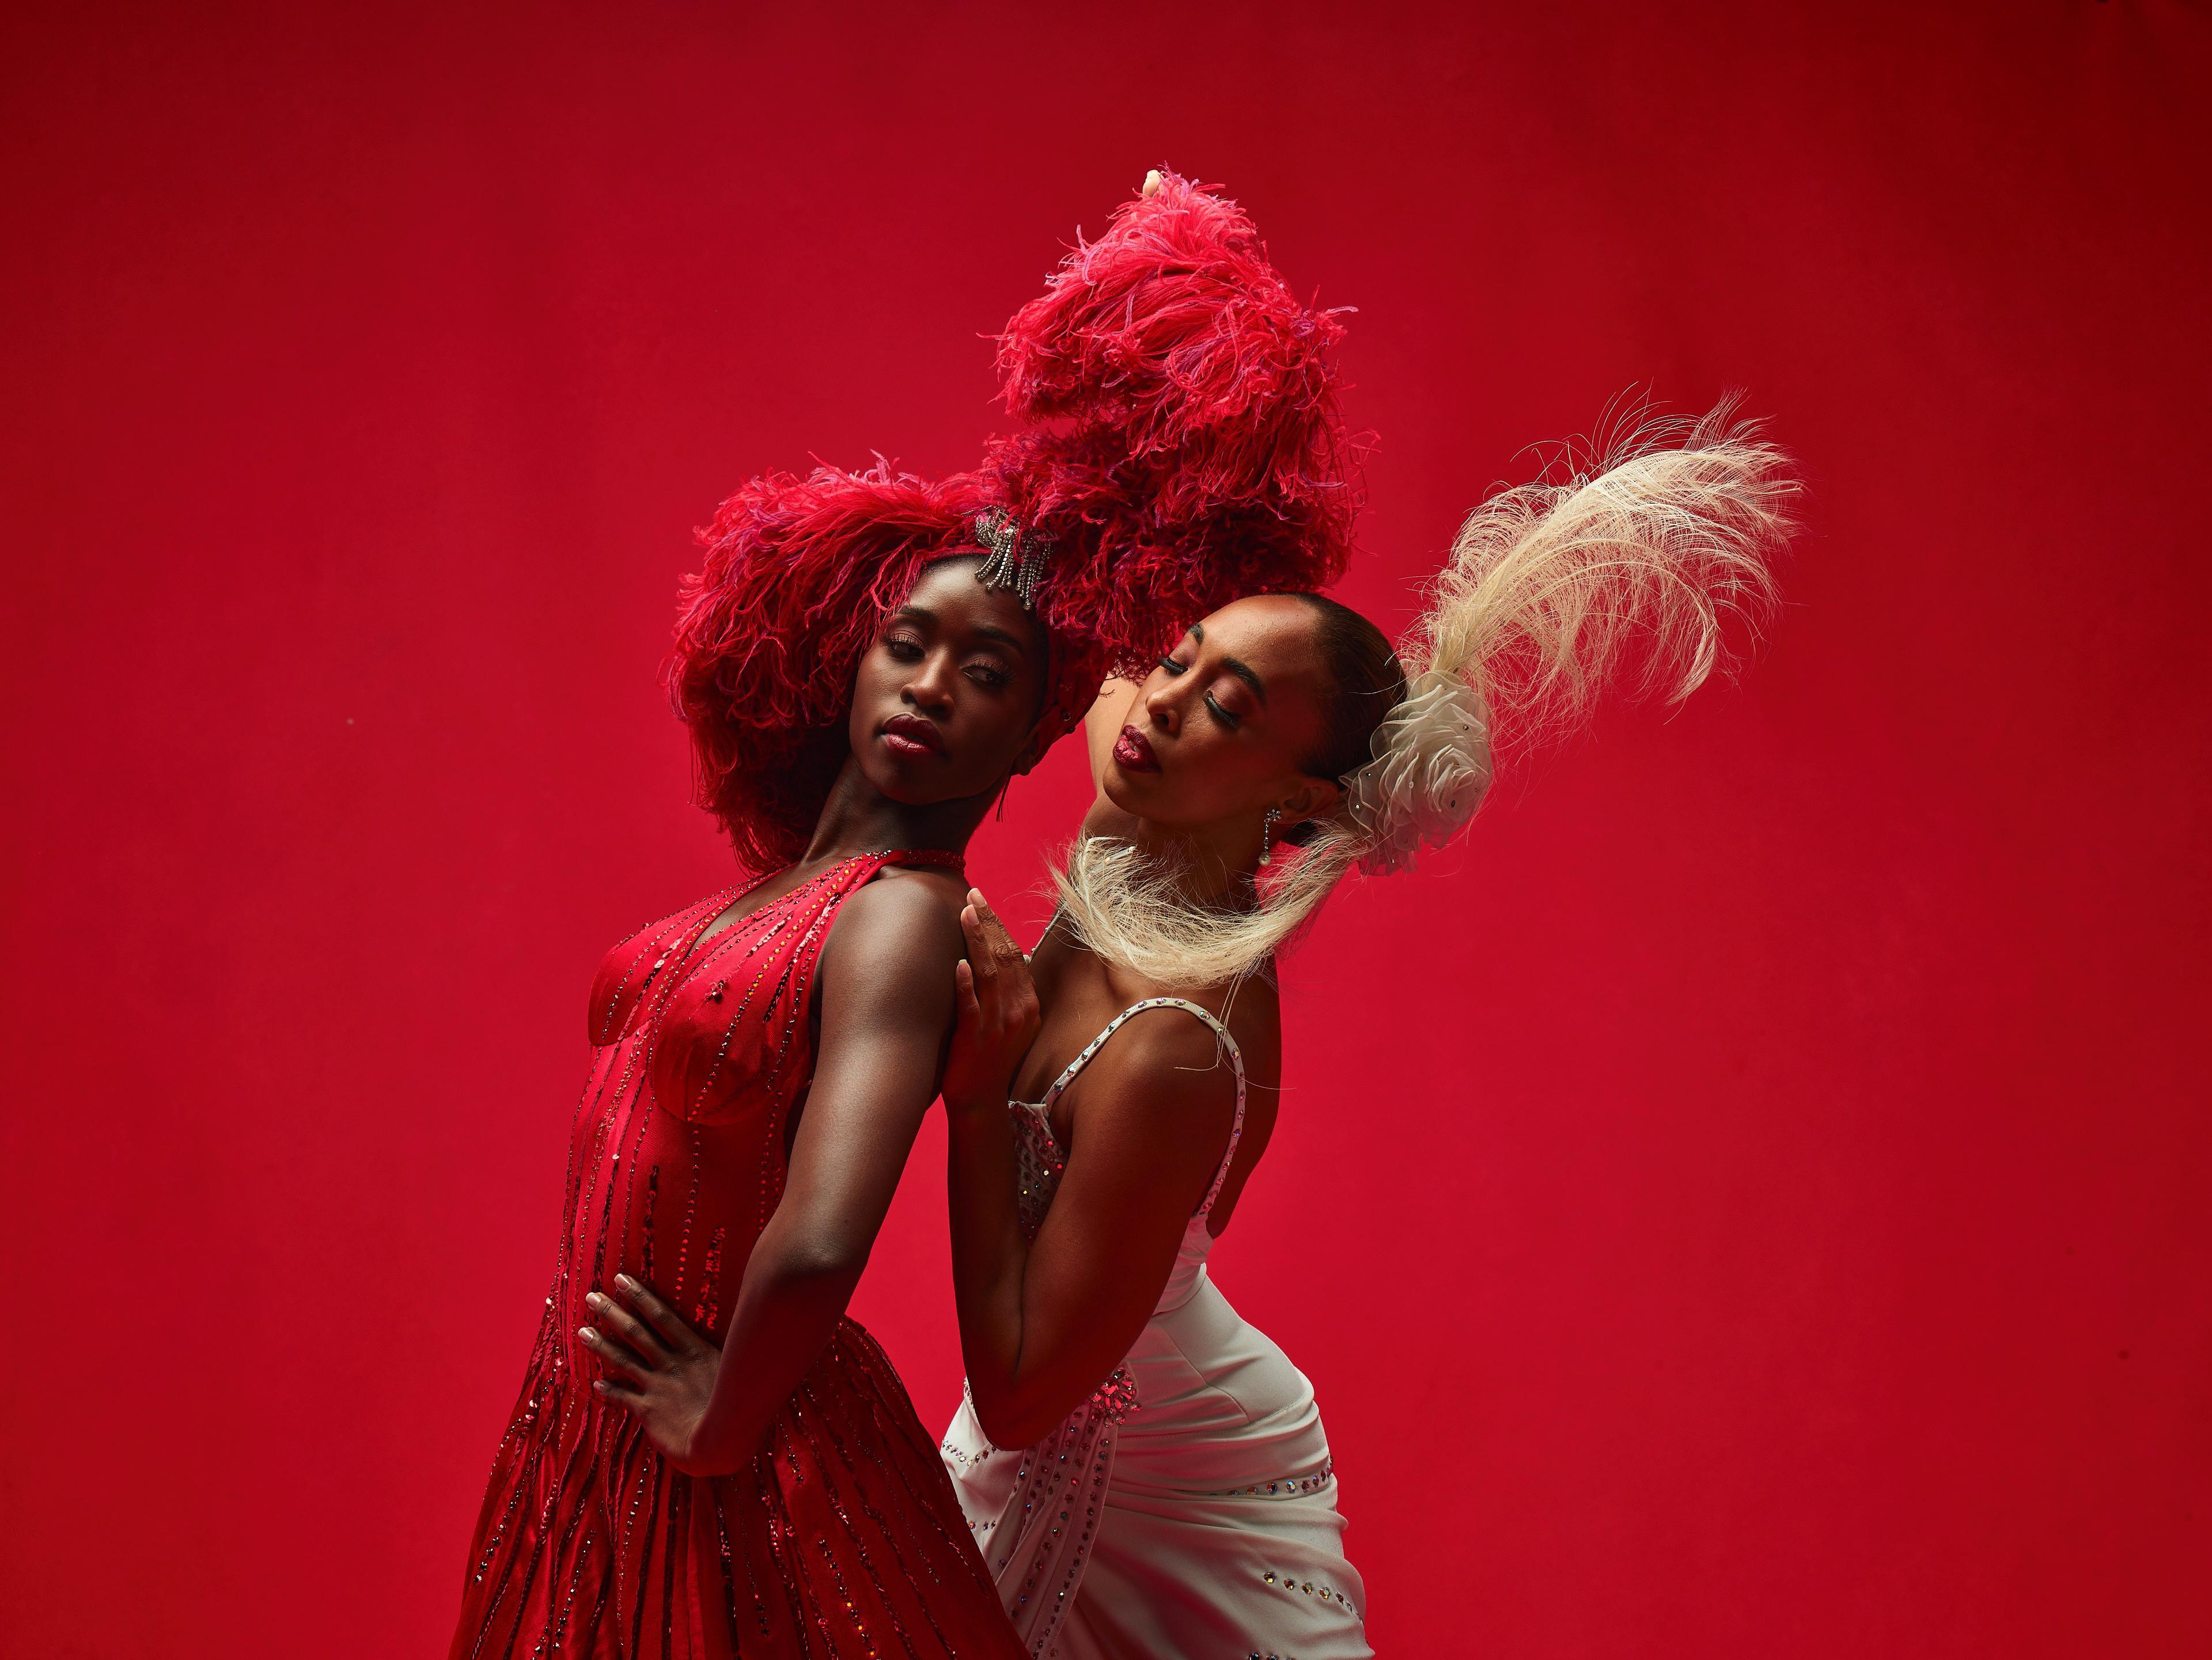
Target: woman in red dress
{"type": "Point", "coordinates": [761, 1060]}
{"type": "Point", "coordinates": [865, 661]}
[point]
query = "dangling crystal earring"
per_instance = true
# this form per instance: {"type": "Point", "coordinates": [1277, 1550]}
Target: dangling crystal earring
{"type": "Point", "coordinates": [1267, 836]}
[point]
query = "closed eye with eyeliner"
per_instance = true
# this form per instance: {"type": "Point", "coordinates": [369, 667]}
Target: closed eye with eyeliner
{"type": "Point", "coordinates": [1245, 677]}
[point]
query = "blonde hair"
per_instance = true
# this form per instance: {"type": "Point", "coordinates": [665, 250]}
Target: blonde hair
{"type": "Point", "coordinates": [1625, 568]}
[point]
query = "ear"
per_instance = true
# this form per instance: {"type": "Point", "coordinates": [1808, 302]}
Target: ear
{"type": "Point", "coordinates": [1312, 798]}
{"type": "Point", "coordinates": [1032, 751]}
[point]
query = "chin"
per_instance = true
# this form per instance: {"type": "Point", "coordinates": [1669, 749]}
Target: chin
{"type": "Point", "coordinates": [895, 782]}
{"type": "Point", "coordinates": [1135, 794]}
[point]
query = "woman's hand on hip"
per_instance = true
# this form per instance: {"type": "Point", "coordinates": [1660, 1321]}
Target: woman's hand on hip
{"type": "Point", "coordinates": [997, 1011]}
{"type": "Point", "coordinates": [659, 1369]}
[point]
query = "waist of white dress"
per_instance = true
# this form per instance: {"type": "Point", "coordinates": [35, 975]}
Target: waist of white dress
{"type": "Point", "coordinates": [1221, 1413]}
{"type": "Point", "coordinates": [1202, 1371]}
{"type": "Point", "coordinates": [1189, 1270]}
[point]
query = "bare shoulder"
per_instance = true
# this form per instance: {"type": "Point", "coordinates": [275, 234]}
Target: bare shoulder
{"type": "Point", "coordinates": [915, 885]}
{"type": "Point", "coordinates": [1156, 1103]}
{"type": "Point", "coordinates": [1252, 1011]}
{"type": "Point", "coordinates": [902, 929]}
{"type": "Point", "coordinates": [913, 909]}
{"type": "Point", "coordinates": [1166, 1063]}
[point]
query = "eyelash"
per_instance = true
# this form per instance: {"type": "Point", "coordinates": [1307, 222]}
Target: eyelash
{"type": "Point", "coordinates": [905, 648]}
{"type": "Point", "coordinates": [1222, 715]}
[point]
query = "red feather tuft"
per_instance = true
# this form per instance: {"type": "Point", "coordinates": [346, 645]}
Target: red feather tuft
{"type": "Point", "coordinates": [1189, 447]}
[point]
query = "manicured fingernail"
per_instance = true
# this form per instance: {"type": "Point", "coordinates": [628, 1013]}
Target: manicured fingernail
{"type": "Point", "coordinates": [600, 1386]}
{"type": "Point", "coordinates": [593, 1298]}
{"type": "Point", "coordinates": [625, 1282]}
{"type": "Point", "coordinates": [587, 1334]}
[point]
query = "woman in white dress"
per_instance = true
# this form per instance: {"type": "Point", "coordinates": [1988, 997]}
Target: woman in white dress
{"type": "Point", "coordinates": [1145, 1473]}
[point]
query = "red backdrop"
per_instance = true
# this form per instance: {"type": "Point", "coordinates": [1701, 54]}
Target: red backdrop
{"type": "Point", "coordinates": [1749, 1201]}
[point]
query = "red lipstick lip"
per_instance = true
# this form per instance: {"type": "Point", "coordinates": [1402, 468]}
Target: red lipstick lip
{"type": "Point", "coordinates": [1133, 751]}
{"type": "Point", "coordinates": [911, 731]}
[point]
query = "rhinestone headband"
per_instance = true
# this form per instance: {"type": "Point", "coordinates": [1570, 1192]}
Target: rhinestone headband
{"type": "Point", "coordinates": [1014, 560]}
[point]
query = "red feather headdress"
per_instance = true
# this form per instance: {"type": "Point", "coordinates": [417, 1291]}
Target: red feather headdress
{"type": "Point", "coordinates": [1181, 447]}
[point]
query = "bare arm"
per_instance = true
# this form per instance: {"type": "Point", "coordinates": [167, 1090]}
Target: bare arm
{"type": "Point", "coordinates": [1041, 1325]}
{"type": "Point", "coordinates": [886, 998]}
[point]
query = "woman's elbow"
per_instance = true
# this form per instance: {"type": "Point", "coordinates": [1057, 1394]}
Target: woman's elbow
{"type": "Point", "coordinates": [1012, 1423]}
{"type": "Point", "coordinates": [1012, 1434]}
{"type": "Point", "coordinates": [824, 1257]}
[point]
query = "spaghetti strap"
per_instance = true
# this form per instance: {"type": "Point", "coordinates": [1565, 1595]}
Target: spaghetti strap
{"type": "Point", "coordinates": [1221, 1035]}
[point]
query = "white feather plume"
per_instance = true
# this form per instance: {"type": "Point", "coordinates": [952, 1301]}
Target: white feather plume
{"type": "Point", "coordinates": [1625, 568]}
{"type": "Point", "coordinates": [1622, 570]}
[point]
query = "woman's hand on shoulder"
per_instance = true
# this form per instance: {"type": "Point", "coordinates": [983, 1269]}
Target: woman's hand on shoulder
{"type": "Point", "coordinates": [998, 1013]}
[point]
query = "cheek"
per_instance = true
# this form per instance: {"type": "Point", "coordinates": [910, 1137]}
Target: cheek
{"type": "Point", "coordinates": [875, 689]}
{"type": "Point", "coordinates": [990, 734]}
{"type": "Point", "coordinates": [876, 677]}
{"type": "Point", "coordinates": [857, 718]}
{"type": "Point", "coordinates": [1211, 779]}
{"type": "Point", "coordinates": [1217, 760]}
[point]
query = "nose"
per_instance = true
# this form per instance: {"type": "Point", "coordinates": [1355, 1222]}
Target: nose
{"type": "Point", "coordinates": [1163, 708]}
{"type": "Point", "coordinates": [929, 688]}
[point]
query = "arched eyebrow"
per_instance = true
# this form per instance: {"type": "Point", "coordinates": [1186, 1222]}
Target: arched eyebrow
{"type": "Point", "coordinates": [1245, 672]}
{"type": "Point", "coordinates": [990, 631]}
{"type": "Point", "coordinates": [1235, 666]}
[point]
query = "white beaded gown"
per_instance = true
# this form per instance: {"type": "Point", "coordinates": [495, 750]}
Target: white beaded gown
{"type": "Point", "coordinates": [1188, 1508]}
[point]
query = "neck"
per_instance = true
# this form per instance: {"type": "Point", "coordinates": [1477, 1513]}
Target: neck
{"type": "Point", "coordinates": [860, 818]}
{"type": "Point", "coordinates": [1214, 865]}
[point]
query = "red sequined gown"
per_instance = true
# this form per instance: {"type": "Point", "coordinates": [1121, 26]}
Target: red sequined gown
{"type": "Point", "coordinates": [844, 1538]}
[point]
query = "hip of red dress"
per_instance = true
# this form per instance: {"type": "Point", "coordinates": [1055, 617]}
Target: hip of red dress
{"type": "Point", "coordinates": [843, 1537]}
